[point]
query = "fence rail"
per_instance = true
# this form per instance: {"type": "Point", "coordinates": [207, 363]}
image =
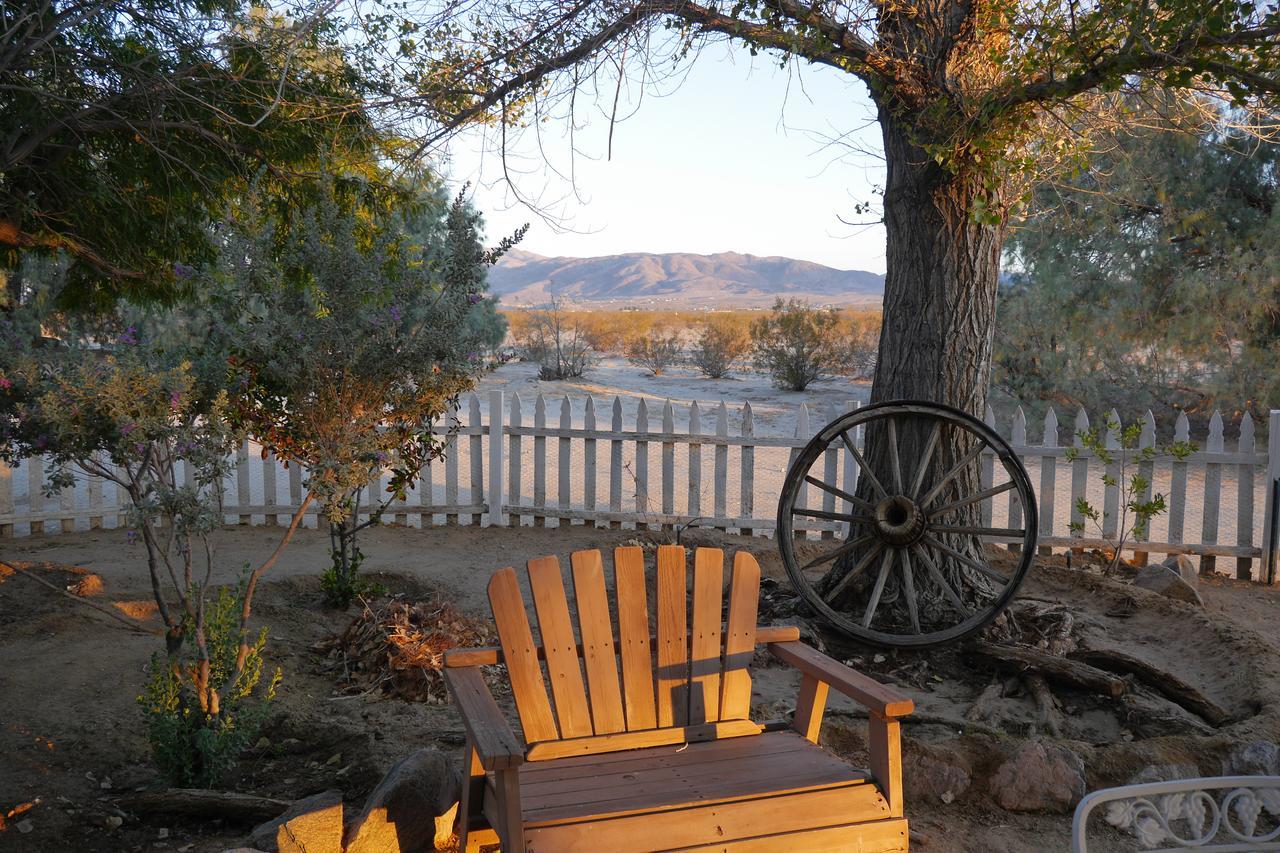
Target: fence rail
{"type": "Point", "coordinates": [567, 461]}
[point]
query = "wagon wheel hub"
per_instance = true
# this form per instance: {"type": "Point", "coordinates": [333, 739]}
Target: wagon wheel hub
{"type": "Point", "coordinates": [899, 521]}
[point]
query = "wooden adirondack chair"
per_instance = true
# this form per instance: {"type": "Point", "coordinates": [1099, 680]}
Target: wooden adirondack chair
{"type": "Point", "coordinates": [664, 755]}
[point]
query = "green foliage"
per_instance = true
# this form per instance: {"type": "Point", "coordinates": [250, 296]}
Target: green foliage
{"type": "Point", "coordinates": [1122, 467]}
{"type": "Point", "coordinates": [797, 344]}
{"type": "Point", "coordinates": [351, 324]}
{"type": "Point", "coordinates": [192, 743]}
{"type": "Point", "coordinates": [132, 387]}
{"type": "Point", "coordinates": [1153, 278]}
{"type": "Point", "coordinates": [486, 325]}
{"type": "Point", "coordinates": [719, 347]}
{"type": "Point", "coordinates": [129, 125]}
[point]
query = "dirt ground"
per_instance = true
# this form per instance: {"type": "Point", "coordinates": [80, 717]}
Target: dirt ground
{"type": "Point", "coordinates": [71, 738]}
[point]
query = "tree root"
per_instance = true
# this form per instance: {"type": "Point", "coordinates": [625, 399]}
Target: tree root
{"type": "Point", "coordinates": [131, 625]}
{"type": "Point", "coordinates": [195, 803]}
{"type": "Point", "coordinates": [1050, 717]}
{"type": "Point", "coordinates": [1164, 683]}
{"type": "Point", "coordinates": [1022, 659]}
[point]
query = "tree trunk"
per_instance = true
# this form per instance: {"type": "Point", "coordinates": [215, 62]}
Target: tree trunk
{"type": "Point", "coordinates": [935, 341]}
{"type": "Point", "coordinates": [942, 271]}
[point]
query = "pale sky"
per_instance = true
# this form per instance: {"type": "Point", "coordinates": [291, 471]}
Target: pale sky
{"type": "Point", "coordinates": [736, 159]}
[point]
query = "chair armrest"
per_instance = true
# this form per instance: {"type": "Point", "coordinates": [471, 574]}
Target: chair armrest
{"type": "Point", "coordinates": [491, 736]}
{"type": "Point", "coordinates": [878, 698]}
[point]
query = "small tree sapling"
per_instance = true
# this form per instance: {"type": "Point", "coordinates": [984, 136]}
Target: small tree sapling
{"type": "Point", "coordinates": [350, 321]}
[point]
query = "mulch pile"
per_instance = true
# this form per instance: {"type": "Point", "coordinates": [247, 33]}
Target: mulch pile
{"type": "Point", "coordinates": [397, 648]}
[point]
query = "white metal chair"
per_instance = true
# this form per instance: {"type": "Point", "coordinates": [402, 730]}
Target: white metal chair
{"type": "Point", "coordinates": [1223, 813]}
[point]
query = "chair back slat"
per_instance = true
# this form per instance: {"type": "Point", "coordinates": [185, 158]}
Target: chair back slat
{"type": "Point", "coordinates": [697, 675]}
{"type": "Point", "coordinates": [521, 656]}
{"type": "Point", "coordinates": [633, 638]}
{"type": "Point", "coordinates": [599, 656]}
{"type": "Point", "coordinates": [740, 638]}
{"type": "Point", "coordinates": [705, 628]}
{"type": "Point", "coordinates": [673, 640]}
{"type": "Point", "coordinates": [560, 646]}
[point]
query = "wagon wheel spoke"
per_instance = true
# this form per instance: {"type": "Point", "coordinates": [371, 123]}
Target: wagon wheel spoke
{"type": "Point", "coordinates": [872, 603]}
{"type": "Point", "coordinates": [936, 574]}
{"type": "Point", "coordinates": [894, 461]}
{"type": "Point", "coordinates": [829, 515]}
{"type": "Point", "coordinates": [862, 463]}
{"type": "Point", "coordinates": [926, 458]}
{"type": "Point", "coordinates": [835, 591]}
{"type": "Point", "coordinates": [967, 560]}
{"type": "Point", "coordinates": [1001, 532]}
{"type": "Point", "coordinates": [909, 590]}
{"type": "Point", "coordinates": [952, 474]}
{"type": "Point", "coordinates": [974, 498]}
{"type": "Point", "coordinates": [835, 553]}
{"type": "Point", "coordinates": [840, 493]}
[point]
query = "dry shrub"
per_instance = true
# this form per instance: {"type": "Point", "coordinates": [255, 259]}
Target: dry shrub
{"type": "Point", "coordinates": [398, 648]}
{"type": "Point", "coordinates": [656, 351]}
{"type": "Point", "coordinates": [720, 345]}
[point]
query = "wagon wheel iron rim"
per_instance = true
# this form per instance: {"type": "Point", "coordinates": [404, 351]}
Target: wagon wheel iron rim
{"type": "Point", "coordinates": [907, 529]}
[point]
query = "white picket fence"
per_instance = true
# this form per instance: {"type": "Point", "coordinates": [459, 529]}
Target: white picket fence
{"type": "Point", "coordinates": [565, 461]}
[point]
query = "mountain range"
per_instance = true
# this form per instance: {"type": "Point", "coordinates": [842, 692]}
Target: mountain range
{"type": "Point", "coordinates": [677, 280]}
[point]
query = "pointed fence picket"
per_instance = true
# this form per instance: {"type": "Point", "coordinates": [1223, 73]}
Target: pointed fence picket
{"type": "Point", "coordinates": [1212, 493]}
{"type": "Point", "coordinates": [1227, 521]}
{"type": "Point", "coordinates": [695, 462]}
{"type": "Point", "coordinates": [1244, 497]}
{"type": "Point", "coordinates": [7, 506]}
{"type": "Point", "coordinates": [1111, 487]}
{"type": "Point", "coordinates": [615, 463]}
{"type": "Point", "coordinates": [668, 462]}
{"type": "Point", "coordinates": [1019, 440]}
{"type": "Point", "coordinates": [540, 461]}
{"type": "Point", "coordinates": [721, 469]}
{"type": "Point", "coordinates": [564, 461]}
{"type": "Point", "coordinates": [1048, 477]}
{"type": "Point", "coordinates": [642, 463]}
{"type": "Point", "coordinates": [1146, 472]}
{"type": "Point", "coordinates": [830, 472]}
{"type": "Point", "coordinates": [987, 472]}
{"type": "Point", "coordinates": [1079, 468]}
{"type": "Point", "coordinates": [747, 479]}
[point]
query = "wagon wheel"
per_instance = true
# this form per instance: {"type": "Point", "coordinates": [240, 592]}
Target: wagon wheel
{"type": "Point", "coordinates": [915, 565]}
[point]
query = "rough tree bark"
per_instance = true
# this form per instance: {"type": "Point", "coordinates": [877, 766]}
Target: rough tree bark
{"type": "Point", "coordinates": [942, 270]}
{"type": "Point", "coordinates": [942, 274]}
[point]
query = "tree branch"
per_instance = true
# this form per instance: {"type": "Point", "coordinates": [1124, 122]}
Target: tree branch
{"type": "Point", "coordinates": [1129, 60]}
{"type": "Point", "coordinates": [98, 607]}
{"type": "Point", "coordinates": [840, 48]}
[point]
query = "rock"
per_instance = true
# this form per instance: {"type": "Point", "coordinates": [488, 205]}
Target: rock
{"type": "Point", "coordinates": [1039, 778]}
{"type": "Point", "coordinates": [1255, 758]}
{"type": "Point", "coordinates": [25, 825]}
{"type": "Point", "coordinates": [412, 809]}
{"type": "Point", "coordinates": [1168, 583]}
{"type": "Point", "coordinates": [935, 776]}
{"type": "Point", "coordinates": [310, 825]}
{"type": "Point", "coordinates": [1182, 564]}
{"type": "Point", "coordinates": [1164, 773]}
